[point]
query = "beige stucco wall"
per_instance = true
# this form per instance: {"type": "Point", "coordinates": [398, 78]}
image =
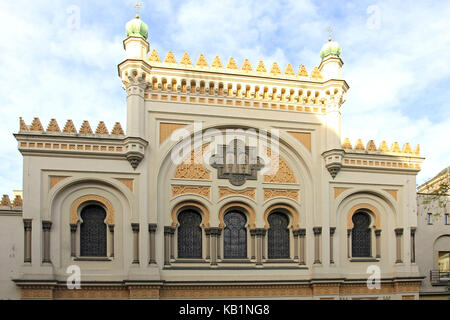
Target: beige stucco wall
{"type": "Point", "coordinates": [431, 238]}
{"type": "Point", "coordinates": [11, 252]}
{"type": "Point", "coordinates": [150, 199]}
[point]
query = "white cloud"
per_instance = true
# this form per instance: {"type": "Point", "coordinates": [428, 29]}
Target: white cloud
{"type": "Point", "coordinates": [51, 71]}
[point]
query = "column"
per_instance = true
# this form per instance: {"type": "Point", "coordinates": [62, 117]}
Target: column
{"type": "Point", "coordinates": [349, 243]}
{"type": "Point", "coordinates": [135, 228]}
{"type": "Point", "coordinates": [167, 231]}
{"type": "Point", "coordinates": [260, 232]}
{"type": "Point", "coordinates": [252, 244]}
{"type": "Point", "coordinates": [413, 245]}
{"type": "Point", "coordinates": [398, 236]}
{"type": "Point", "coordinates": [73, 239]}
{"type": "Point", "coordinates": [317, 232]}
{"type": "Point", "coordinates": [152, 230]}
{"type": "Point", "coordinates": [172, 243]}
{"type": "Point", "coordinates": [302, 253]}
{"type": "Point", "coordinates": [27, 240]}
{"type": "Point", "coordinates": [295, 233]}
{"type": "Point", "coordinates": [332, 230]}
{"type": "Point", "coordinates": [111, 239]}
{"type": "Point", "coordinates": [263, 244]}
{"type": "Point", "coordinates": [208, 240]}
{"type": "Point", "coordinates": [46, 226]}
{"type": "Point", "coordinates": [219, 243]}
{"type": "Point", "coordinates": [378, 243]}
{"type": "Point", "coordinates": [214, 234]}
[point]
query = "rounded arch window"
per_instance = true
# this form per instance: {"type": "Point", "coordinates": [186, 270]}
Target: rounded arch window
{"type": "Point", "coordinates": [278, 236]}
{"type": "Point", "coordinates": [189, 234]}
{"type": "Point", "coordinates": [93, 231]}
{"type": "Point", "coordinates": [361, 235]}
{"type": "Point", "coordinates": [235, 235]}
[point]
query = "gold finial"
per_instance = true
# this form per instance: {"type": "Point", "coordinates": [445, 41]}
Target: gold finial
{"type": "Point", "coordinates": [137, 6]}
{"type": "Point", "coordinates": [329, 33]}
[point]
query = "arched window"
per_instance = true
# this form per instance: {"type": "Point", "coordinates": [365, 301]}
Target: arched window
{"type": "Point", "coordinates": [361, 235]}
{"type": "Point", "coordinates": [189, 234]}
{"type": "Point", "coordinates": [235, 235]}
{"type": "Point", "coordinates": [93, 231]}
{"type": "Point", "coordinates": [278, 236]}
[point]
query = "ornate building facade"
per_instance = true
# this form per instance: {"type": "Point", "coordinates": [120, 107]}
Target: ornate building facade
{"type": "Point", "coordinates": [228, 183]}
{"type": "Point", "coordinates": [433, 236]}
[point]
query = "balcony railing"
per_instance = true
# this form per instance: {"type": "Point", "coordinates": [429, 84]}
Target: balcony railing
{"type": "Point", "coordinates": [439, 278]}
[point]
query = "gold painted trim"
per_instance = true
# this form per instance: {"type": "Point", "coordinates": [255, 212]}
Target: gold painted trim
{"type": "Point", "coordinates": [204, 191]}
{"type": "Point", "coordinates": [393, 193]}
{"type": "Point", "coordinates": [53, 180]}
{"type": "Point", "coordinates": [167, 128]}
{"type": "Point", "coordinates": [203, 210]}
{"type": "Point", "coordinates": [303, 137]}
{"type": "Point", "coordinates": [127, 182]}
{"type": "Point", "coordinates": [363, 206]}
{"type": "Point", "coordinates": [338, 191]}
{"type": "Point", "coordinates": [273, 193]}
{"type": "Point", "coordinates": [76, 204]}
{"type": "Point", "coordinates": [225, 191]}
{"type": "Point", "coordinates": [408, 290]}
{"type": "Point", "coordinates": [291, 210]}
{"type": "Point", "coordinates": [240, 205]}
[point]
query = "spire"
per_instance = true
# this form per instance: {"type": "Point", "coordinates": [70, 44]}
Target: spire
{"type": "Point", "coordinates": [136, 27]}
{"type": "Point", "coordinates": [331, 48]}
{"type": "Point", "coordinates": [137, 6]}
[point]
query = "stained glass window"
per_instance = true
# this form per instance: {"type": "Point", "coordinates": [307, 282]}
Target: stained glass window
{"type": "Point", "coordinates": [361, 241]}
{"type": "Point", "coordinates": [278, 236]}
{"type": "Point", "coordinates": [235, 235]}
{"type": "Point", "coordinates": [93, 232]}
{"type": "Point", "coordinates": [189, 234]}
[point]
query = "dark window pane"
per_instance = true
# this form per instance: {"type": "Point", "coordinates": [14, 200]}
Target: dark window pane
{"type": "Point", "coordinates": [361, 235]}
{"type": "Point", "coordinates": [235, 235]}
{"type": "Point", "coordinates": [189, 235]}
{"type": "Point", "coordinates": [278, 236]}
{"type": "Point", "coordinates": [93, 232]}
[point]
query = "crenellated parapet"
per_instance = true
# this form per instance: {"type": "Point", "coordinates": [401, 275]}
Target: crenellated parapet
{"type": "Point", "coordinates": [369, 156]}
{"type": "Point", "coordinates": [371, 148]}
{"type": "Point", "coordinates": [229, 85]}
{"type": "Point", "coordinates": [11, 206]}
{"type": "Point", "coordinates": [69, 128]}
{"type": "Point", "coordinates": [233, 68]}
{"type": "Point", "coordinates": [99, 142]}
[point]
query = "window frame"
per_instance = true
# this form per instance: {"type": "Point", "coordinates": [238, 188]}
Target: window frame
{"type": "Point", "coordinates": [288, 229]}
{"type": "Point", "coordinates": [176, 237]}
{"type": "Point", "coordinates": [78, 256]}
{"type": "Point", "coordinates": [245, 227]}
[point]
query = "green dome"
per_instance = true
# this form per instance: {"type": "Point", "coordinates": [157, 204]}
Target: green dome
{"type": "Point", "coordinates": [137, 28]}
{"type": "Point", "coordinates": [331, 48]}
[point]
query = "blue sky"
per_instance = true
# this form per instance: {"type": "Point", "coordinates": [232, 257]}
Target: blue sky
{"type": "Point", "coordinates": [56, 63]}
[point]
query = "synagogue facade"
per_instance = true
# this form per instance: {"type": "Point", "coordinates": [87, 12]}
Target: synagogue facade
{"type": "Point", "coordinates": [228, 182]}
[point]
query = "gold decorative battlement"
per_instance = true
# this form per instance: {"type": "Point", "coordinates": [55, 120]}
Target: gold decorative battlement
{"type": "Point", "coordinates": [232, 67]}
{"type": "Point", "coordinates": [69, 128]}
{"type": "Point", "coordinates": [7, 204]}
{"type": "Point", "coordinates": [34, 139]}
{"type": "Point", "coordinates": [228, 85]}
{"type": "Point", "coordinates": [370, 156]}
{"type": "Point", "coordinates": [370, 147]}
